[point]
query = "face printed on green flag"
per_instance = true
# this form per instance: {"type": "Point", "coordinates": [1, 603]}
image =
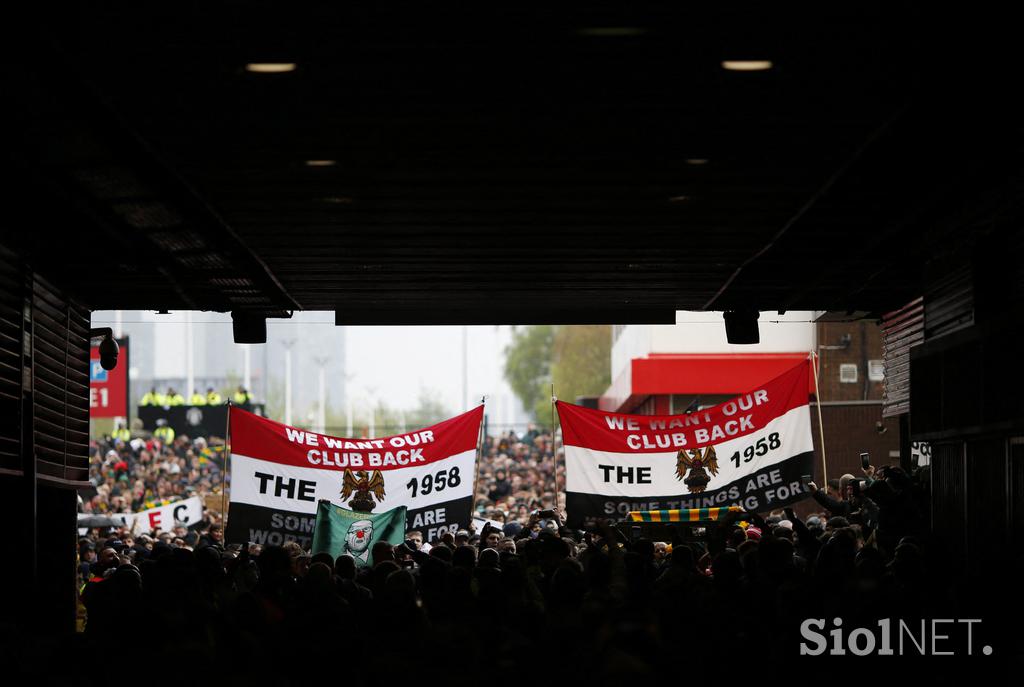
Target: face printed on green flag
{"type": "Point", "coordinates": [339, 531]}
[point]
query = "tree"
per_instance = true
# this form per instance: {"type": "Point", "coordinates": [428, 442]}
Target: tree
{"type": "Point", "coordinates": [581, 361]}
{"type": "Point", "coordinates": [577, 359]}
{"type": "Point", "coordinates": [274, 402]}
{"type": "Point", "coordinates": [528, 365]}
{"type": "Point", "coordinates": [388, 420]}
{"type": "Point", "coordinates": [429, 411]}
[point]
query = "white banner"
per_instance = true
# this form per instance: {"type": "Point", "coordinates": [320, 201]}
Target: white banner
{"type": "Point", "coordinates": [159, 519]}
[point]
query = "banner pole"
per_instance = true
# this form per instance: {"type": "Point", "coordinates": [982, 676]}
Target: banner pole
{"type": "Point", "coordinates": [821, 425]}
{"type": "Point", "coordinates": [224, 477]}
{"type": "Point", "coordinates": [479, 458]}
{"type": "Point", "coordinates": [554, 453]}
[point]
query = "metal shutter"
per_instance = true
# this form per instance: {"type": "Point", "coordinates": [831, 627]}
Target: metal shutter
{"type": "Point", "coordinates": [60, 385]}
{"type": "Point", "coordinates": [949, 305]}
{"type": "Point", "coordinates": [901, 330]}
{"type": "Point", "coordinates": [12, 303]}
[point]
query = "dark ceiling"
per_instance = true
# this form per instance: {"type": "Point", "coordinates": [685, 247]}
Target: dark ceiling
{"type": "Point", "coordinates": [512, 163]}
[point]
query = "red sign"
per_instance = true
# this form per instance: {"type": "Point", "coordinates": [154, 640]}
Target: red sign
{"type": "Point", "coordinates": [108, 389]}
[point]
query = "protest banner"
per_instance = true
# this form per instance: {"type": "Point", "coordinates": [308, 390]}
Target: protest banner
{"type": "Point", "coordinates": [280, 473]}
{"type": "Point", "coordinates": [479, 522]}
{"type": "Point", "coordinates": [750, 452]}
{"type": "Point", "coordinates": [162, 518]}
{"type": "Point", "coordinates": [339, 530]}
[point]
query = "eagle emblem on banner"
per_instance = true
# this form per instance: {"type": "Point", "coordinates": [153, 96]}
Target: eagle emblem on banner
{"type": "Point", "coordinates": [366, 486]}
{"type": "Point", "coordinates": [698, 464]}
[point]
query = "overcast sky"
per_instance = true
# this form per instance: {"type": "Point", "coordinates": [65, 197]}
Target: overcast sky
{"type": "Point", "coordinates": [396, 362]}
{"type": "Point", "coordinates": [392, 364]}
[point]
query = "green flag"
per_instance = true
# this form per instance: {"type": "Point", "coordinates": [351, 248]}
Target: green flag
{"type": "Point", "coordinates": [339, 531]}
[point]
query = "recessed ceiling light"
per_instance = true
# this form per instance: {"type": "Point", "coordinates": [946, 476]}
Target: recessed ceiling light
{"type": "Point", "coordinates": [611, 31]}
{"type": "Point", "coordinates": [270, 67]}
{"type": "Point", "coordinates": [321, 163]}
{"type": "Point", "coordinates": [747, 65]}
{"type": "Point", "coordinates": [696, 160]}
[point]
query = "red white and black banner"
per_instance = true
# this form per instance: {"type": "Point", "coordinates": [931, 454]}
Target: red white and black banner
{"type": "Point", "coordinates": [280, 473]}
{"type": "Point", "coordinates": [750, 452]}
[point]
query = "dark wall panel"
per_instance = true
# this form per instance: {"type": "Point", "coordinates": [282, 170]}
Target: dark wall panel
{"type": "Point", "coordinates": [948, 499]}
{"type": "Point", "coordinates": [987, 500]}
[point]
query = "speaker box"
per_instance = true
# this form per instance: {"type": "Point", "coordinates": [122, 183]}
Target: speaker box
{"type": "Point", "coordinates": [741, 326]}
{"type": "Point", "coordinates": [249, 328]}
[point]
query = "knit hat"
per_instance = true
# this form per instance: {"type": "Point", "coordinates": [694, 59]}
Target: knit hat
{"type": "Point", "coordinates": [754, 533]}
{"type": "Point", "coordinates": [511, 529]}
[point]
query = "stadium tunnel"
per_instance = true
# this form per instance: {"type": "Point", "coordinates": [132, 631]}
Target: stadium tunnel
{"type": "Point", "coordinates": [466, 165]}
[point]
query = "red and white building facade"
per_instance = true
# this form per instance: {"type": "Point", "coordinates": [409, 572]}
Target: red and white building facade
{"type": "Point", "coordinates": [663, 369]}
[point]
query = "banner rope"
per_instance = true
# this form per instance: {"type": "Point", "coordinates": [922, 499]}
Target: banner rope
{"type": "Point", "coordinates": [479, 459]}
{"type": "Point", "coordinates": [554, 453]}
{"type": "Point", "coordinates": [821, 425]}
{"type": "Point", "coordinates": [224, 477]}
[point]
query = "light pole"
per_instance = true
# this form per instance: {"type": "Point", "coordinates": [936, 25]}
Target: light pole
{"type": "Point", "coordinates": [190, 368]}
{"type": "Point", "coordinates": [288, 343]}
{"type": "Point", "coordinates": [321, 413]}
{"type": "Point", "coordinates": [348, 403]}
{"type": "Point", "coordinates": [465, 371]}
{"type": "Point", "coordinates": [247, 368]}
{"type": "Point", "coordinates": [348, 415]}
{"type": "Point", "coordinates": [372, 392]}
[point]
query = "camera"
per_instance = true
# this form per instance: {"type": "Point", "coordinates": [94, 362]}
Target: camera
{"type": "Point", "coordinates": [108, 353]}
{"type": "Point", "coordinates": [108, 347]}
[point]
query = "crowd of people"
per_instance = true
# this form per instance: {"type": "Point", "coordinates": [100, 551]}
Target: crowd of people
{"type": "Point", "coordinates": [171, 397]}
{"type": "Point", "coordinates": [134, 474]}
{"type": "Point", "coordinates": [606, 604]}
{"type": "Point", "coordinates": [519, 474]}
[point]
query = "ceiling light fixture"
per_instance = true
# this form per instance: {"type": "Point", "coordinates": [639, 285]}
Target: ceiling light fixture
{"type": "Point", "coordinates": [696, 161]}
{"type": "Point", "coordinates": [747, 65]}
{"type": "Point", "coordinates": [611, 31]}
{"type": "Point", "coordinates": [270, 67]}
{"type": "Point", "coordinates": [321, 163]}
{"type": "Point", "coordinates": [679, 199]}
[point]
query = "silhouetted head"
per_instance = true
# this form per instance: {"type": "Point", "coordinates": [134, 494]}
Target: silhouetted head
{"type": "Point", "coordinates": [488, 559]}
{"type": "Point", "coordinates": [345, 567]}
{"type": "Point", "coordinates": [644, 548]}
{"type": "Point", "coordinates": [382, 551]}
{"type": "Point", "coordinates": [442, 552]}
{"type": "Point", "coordinates": [464, 557]}
{"type": "Point", "coordinates": [682, 557]}
{"type": "Point", "coordinates": [325, 558]}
